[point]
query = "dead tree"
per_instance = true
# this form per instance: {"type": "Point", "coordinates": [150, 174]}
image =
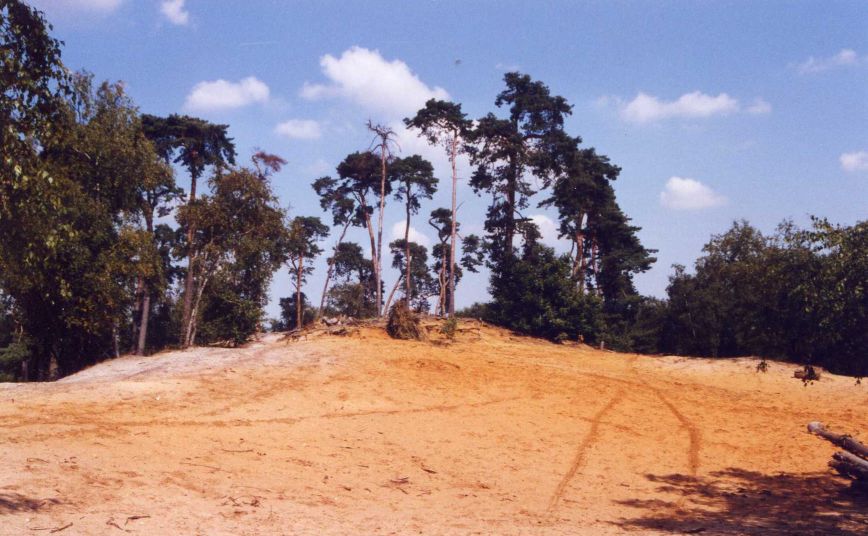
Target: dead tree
{"type": "Point", "coordinates": [853, 463]}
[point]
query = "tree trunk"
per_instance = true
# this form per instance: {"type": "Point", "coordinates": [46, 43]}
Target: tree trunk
{"type": "Point", "coordinates": [380, 228]}
{"type": "Point", "coordinates": [844, 441]}
{"type": "Point", "coordinates": [299, 310]}
{"type": "Point", "coordinates": [374, 260]}
{"type": "Point", "coordinates": [194, 312]}
{"type": "Point", "coordinates": [187, 318]}
{"type": "Point", "coordinates": [392, 294]}
{"type": "Point", "coordinates": [406, 248]}
{"type": "Point", "coordinates": [137, 309]}
{"type": "Point", "coordinates": [454, 233]}
{"type": "Point", "coordinates": [146, 299]}
{"type": "Point", "coordinates": [331, 270]}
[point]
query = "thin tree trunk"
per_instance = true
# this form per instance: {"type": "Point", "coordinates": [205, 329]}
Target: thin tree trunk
{"type": "Point", "coordinates": [298, 305]}
{"type": "Point", "coordinates": [380, 227]}
{"type": "Point", "coordinates": [454, 229]}
{"type": "Point", "coordinates": [146, 300]}
{"type": "Point", "coordinates": [187, 318]}
{"type": "Point", "coordinates": [374, 258]}
{"type": "Point", "coordinates": [194, 312]}
{"type": "Point", "coordinates": [331, 270]}
{"type": "Point", "coordinates": [137, 309]}
{"type": "Point", "coordinates": [392, 294]}
{"type": "Point", "coordinates": [407, 247]}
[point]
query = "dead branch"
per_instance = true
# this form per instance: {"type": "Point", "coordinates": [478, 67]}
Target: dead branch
{"type": "Point", "coordinates": [844, 441]}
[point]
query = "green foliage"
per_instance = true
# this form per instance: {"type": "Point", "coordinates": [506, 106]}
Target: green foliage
{"type": "Point", "coordinates": [533, 294]}
{"type": "Point", "coordinates": [799, 295]}
{"type": "Point", "coordinates": [288, 311]}
{"type": "Point", "coordinates": [239, 242]}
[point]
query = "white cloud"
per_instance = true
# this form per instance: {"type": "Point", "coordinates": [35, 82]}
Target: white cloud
{"type": "Point", "coordinates": [415, 235]}
{"type": "Point", "coordinates": [646, 108]}
{"type": "Point", "coordinates": [299, 129]}
{"type": "Point", "coordinates": [855, 161]}
{"type": "Point", "coordinates": [366, 78]}
{"type": "Point", "coordinates": [689, 194]}
{"type": "Point", "coordinates": [759, 107]}
{"type": "Point", "coordinates": [548, 230]}
{"type": "Point", "coordinates": [844, 58]}
{"type": "Point", "coordinates": [222, 94]}
{"type": "Point", "coordinates": [83, 5]}
{"type": "Point", "coordinates": [174, 11]}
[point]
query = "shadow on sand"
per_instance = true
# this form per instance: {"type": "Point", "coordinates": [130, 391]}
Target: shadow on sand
{"type": "Point", "coordinates": [736, 501]}
{"type": "Point", "coordinates": [14, 503]}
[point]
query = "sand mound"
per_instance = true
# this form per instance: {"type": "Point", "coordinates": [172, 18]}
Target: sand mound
{"type": "Point", "coordinates": [490, 434]}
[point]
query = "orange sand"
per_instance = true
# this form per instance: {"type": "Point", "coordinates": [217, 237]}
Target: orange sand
{"type": "Point", "coordinates": [493, 434]}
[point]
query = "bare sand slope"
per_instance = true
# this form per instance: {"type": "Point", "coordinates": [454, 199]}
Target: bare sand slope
{"type": "Point", "coordinates": [494, 434]}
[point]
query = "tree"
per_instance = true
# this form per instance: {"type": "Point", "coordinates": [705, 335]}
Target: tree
{"type": "Point", "coordinates": [359, 179]}
{"type": "Point", "coordinates": [196, 144]}
{"type": "Point", "coordinates": [415, 178]}
{"type": "Point", "coordinates": [345, 212]}
{"type": "Point", "coordinates": [386, 138]}
{"type": "Point", "coordinates": [423, 285]}
{"type": "Point", "coordinates": [443, 123]}
{"type": "Point", "coordinates": [532, 293]}
{"type": "Point", "coordinates": [239, 240]}
{"type": "Point", "coordinates": [471, 259]}
{"type": "Point", "coordinates": [531, 141]}
{"type": "Point", "coordinates": [304, 233]}
{"type": "Point", "coordinates": [355, 293]}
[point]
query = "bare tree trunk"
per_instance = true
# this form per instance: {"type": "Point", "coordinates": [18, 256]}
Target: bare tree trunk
{"type": "Point", "coordinates": [143, 326]}
{"type": "Point", "coordinates": [187, 318]}
{"type": "Point", "coordinates": [392, 294]}
{"type": "Point", "coordinates": [407, 247]}
{"type": "Point", "coordinates": [146, 299]}
{"type": "Point", "coordinates": [137, 309]}
{"type": "Point", "coordinates": [454, 228]}
{"type": "Point", "coordinates": [380, 228]}
{"type": "Point", "coordinates": [331, 270]}
{"type": "Point", "coordinates": [194, 313]}
{"type": "Point", "coordinates": [299, 310]}
{"type": "Point", "coordinates": [374, 260]}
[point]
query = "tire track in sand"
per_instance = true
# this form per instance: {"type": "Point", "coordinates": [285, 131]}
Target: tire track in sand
{"type": "Point", "coordinates": [580, 458]}
{"type": "Point", "coordinates": [693, 433]}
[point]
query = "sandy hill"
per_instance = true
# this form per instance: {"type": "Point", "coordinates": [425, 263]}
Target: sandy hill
{"type": "Point", "coordinates": [360, 434]}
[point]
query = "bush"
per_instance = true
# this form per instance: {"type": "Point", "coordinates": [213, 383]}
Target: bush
{"type": "Point", "coordinates": [449, 327]}
{"type": "Point", "coordinates": [403, 323]}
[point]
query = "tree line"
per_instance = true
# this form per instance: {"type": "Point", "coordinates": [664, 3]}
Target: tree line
{"type": "Point", "coordinates": [103, 251]}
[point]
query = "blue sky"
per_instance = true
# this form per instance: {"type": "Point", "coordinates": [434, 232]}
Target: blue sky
{"type": "Point", "coordinates": [716, 111]}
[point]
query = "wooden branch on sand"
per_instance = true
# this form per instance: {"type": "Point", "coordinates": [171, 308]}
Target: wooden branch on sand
{"type": "Point", "coordinates": [854, 462]}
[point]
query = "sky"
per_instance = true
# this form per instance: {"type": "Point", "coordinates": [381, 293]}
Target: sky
{"type": "Point", "coordinates": [716, 111]}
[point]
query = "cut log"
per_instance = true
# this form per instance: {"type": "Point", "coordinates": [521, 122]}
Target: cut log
{"type": "Point", "coordinates": [844, 441]}
{"type": "Point", "coordinates": [850, 466]}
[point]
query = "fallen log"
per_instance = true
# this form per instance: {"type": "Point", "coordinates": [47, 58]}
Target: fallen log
{"type": "Point", "coordinates": [844, 441]}
{"type": "Point", "coordinates": [850, 466]}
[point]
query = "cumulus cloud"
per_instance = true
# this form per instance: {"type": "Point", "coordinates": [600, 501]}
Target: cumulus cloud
{"type": "Point", "coordinates": [689, 194]}
{"type": "Point", "coordinates": [299, 129]}
{"type": "Point", "coordinates": [856, 161]}
{"type": "Point", "coordinates": [415, 235]}
{"type": "Point", "coordinates": [759, 107]}
{"type": "Point", "coordinates": [844, 58]}
{"type": "Point", "coordinates": [647, 108]}
{"type": "Point", "coordinates": [175, 11]}
{"type": "Point", "coordinates": [222, 94]}
{"type": "Point", "coordinates": [363, 76]}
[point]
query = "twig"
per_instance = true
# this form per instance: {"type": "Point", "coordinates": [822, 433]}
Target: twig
{"type": "Point", "coordinates": [134, 518]}
{"type": "Point", "coordinates": [239, 451]}
{"type": "Point", "coordinates": [52, 531]}
{"type": "Point", "coordinates": [203, 465]}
